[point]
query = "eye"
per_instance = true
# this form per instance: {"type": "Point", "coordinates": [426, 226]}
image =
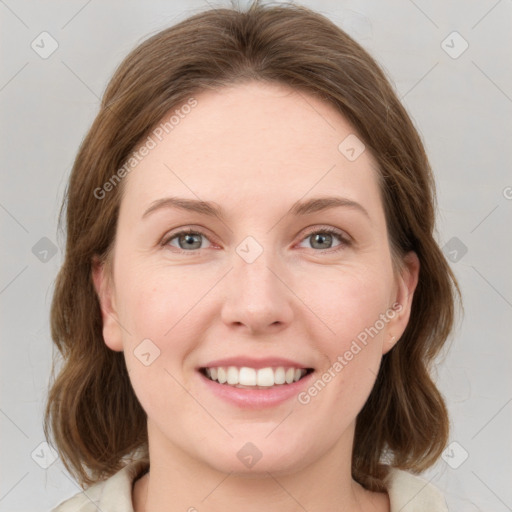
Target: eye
{"type": "Point", "coordinates": [187, 240]}
{"type": "Point", "coordinates": [323, 239]}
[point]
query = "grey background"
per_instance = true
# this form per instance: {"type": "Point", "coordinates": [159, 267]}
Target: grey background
{"type": "Point", "coordinates": [462, 107]}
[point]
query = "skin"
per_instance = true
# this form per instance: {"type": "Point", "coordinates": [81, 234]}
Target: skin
{"type": "Point", "coordinates": [254, 149]}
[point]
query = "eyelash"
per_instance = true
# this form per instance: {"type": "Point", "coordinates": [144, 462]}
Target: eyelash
{"type": "Point", "coordinates": [344, 241]}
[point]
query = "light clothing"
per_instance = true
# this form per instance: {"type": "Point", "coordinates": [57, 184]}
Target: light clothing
{"type": "Point", "coordinates": [407, 493]}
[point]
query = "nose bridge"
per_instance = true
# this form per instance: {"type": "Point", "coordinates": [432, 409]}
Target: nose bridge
{"type": "Point", "coordinates": [255, 295]}
{"type": "Point", "coordinates": [252, 263]}
{"type": "Point", "coordinates": [252, 268]}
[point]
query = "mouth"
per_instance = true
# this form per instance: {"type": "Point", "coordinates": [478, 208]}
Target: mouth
{"type": "Point", "coordinates": [255, 378]}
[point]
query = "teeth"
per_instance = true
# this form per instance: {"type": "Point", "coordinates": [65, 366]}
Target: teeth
{"type": "Point", "coordinates": [247, 376]}
{"type": "Point", "coordinates": [221, 375]}
{"type": "Point", "coordinates": [279, 376]}
{"type": "Point", "coordinates": [264, 377]}
{"type": "Point", "coordinates": [250, 377]}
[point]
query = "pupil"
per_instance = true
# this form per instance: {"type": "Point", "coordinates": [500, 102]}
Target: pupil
{"type": "Point", "coordinates": [190, 239]}
{"type": "Point", "coordinates": [322, 238]}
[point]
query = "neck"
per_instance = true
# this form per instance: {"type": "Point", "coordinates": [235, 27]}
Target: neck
{"type": "Point", "coordinates": [177, 482]}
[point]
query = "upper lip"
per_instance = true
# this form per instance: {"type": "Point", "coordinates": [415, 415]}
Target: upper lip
{"type": "Point", "coordinates": [241, 361]}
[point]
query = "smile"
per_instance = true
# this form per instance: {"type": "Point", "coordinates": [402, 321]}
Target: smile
{"type": "Point", "coordinates": [252, 378]}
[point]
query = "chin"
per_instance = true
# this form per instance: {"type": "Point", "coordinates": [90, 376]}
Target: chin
{"type": "Point", "coordinates": [259, 456]}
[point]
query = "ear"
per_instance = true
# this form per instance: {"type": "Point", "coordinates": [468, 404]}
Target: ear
{"type": "Point", "coordinates": [406, 285]}
{"type": "Point", "coordinates": [104, 288]}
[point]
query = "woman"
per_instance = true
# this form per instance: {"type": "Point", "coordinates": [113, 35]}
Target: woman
{"type": "Point", "coordinates": [252, 296]}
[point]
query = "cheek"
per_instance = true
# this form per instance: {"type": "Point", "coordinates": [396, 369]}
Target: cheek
{"type": "Point", "coordinates": [164, 305]}
{"type": "Point", "coordinates": [156, 302]}
{"type": "Point", "coordinates": [157, 310]}
{"type": "Point", "coordinates": [348, 302]}
{"type": "Point", "coordinates": [352, 306]}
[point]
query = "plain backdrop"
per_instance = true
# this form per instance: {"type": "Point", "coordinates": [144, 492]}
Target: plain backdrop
{"type": "Point", "coordinates": [450, 64]}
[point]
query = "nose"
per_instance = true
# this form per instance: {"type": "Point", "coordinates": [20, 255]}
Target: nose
{"type": "Point", "coordinates": [257, 298]}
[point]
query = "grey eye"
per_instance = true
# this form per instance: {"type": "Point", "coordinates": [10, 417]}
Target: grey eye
{"type": "Point", "coordinates": [321, 240]}
{"type": "Point", "coordinates": [187, 241]}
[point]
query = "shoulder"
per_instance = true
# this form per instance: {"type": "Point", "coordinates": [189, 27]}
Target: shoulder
{"type": "Point", "coordinates": [411, 493]}
{"type": "Point", "coordinates": [111, 495]}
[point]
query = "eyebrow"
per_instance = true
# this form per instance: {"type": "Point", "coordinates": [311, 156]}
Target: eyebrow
{"type": "Point", "coordinates": [212, 209]}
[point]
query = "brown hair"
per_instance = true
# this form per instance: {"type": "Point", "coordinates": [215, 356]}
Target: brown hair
{"type": "Point", "coordinates": [92, 411]}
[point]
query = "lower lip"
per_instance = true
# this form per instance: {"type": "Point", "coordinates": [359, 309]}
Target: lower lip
{"type": "Point", "coordinates": [257, 398]}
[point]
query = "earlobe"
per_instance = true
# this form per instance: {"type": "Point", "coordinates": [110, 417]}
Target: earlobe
{"type": "Point", "coordinates": [104, 290]}
{"type": "Point", "coordinates": [406, 286]}
{"type": "Point", "coordinates": [389, 344]}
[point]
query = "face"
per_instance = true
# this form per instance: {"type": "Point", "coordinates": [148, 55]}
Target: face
{"type": "Point", "coordinates": [266, 284]}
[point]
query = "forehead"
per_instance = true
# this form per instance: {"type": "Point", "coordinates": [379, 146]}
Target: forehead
{"type": "Point", "coordinates": [253, 142]}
